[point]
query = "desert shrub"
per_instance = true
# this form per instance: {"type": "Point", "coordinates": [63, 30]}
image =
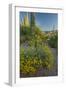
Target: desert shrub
{"type": "Point", "coordinates": [28, 62]}
{"type": "Point", "coordinates": [48, 61]}
{"type": "Point", "coordinates": [40, 33]}
{"type": "Point", "coordinates": [25, 34]}
{"type": "Point", "coordinates": [35, 35]}
{"type": "Point", "coordinates": [31, 59]}
{"type": "Point", "coordinates": [24, 30]}
{"type": "Point", "coordinates": [53, 40]}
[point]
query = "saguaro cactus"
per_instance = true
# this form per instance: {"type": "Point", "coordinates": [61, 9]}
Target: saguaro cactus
{"type": "Point", "coordinates": [32, 20]}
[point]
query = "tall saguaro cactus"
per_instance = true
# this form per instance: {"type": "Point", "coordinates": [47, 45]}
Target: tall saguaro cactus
{"type": "Point", "coordinates": [32, 20]}
{"type": "Point", "coordinates": [32, 25]}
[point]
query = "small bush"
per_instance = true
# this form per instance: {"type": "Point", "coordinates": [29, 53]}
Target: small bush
{"type": "Point", "coordinates": [31, 59]}
{"type": "Point", "coordinates": [48, 61]}
{"type": "Point", "coordinates": [53, 40]}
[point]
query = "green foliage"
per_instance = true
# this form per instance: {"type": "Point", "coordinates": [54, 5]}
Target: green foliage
{"type": "Point", "coordinates": [31, 59]}
{"type": "Point", "coordinates": [28, 64]}
{"type": "Point", "coordinates": [35, 52]}
{"type": "Point", "coordinates": [53, 40]}
{"type": "Point", "coordinates": [25, 34]}
{"type": "Point", "coordinates": [33, 38]}
{"type": "Point", "coordinates": [48, 62]}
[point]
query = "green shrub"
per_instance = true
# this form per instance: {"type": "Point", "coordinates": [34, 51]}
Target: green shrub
{"type": "Point", "coordinates": [27, 62]}
{"type": "Point", "coordinates": [53, 40]}
{"type": "Point", "coordinates": [31, 59]}
{"type": "Point", "coordinates": [36, 35]}
{"type": "Point", "coordinates": [48, 61]}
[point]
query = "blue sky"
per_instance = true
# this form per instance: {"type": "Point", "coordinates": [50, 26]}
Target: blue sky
{"type": "Point", "coordinates": [46, 21]}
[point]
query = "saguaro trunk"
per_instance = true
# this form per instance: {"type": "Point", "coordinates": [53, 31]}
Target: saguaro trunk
{"type": "Point", "coordinates": [32, 20]}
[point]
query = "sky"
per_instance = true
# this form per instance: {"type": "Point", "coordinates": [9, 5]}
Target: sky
{"type": "Point", "coordinates": [46, 21]}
